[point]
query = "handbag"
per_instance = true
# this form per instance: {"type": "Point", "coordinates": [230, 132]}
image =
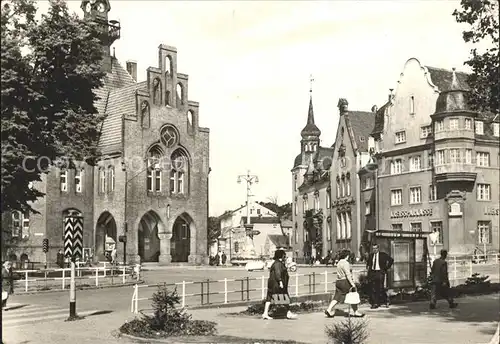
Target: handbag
{"type": "Point", "coordinates": [352, 298]}
{"type": "Point", "coordinates": [280, 299]}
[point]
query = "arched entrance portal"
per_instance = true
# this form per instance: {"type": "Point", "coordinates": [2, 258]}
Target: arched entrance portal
{"type": "Point", "coordinates": [180, 244]}
{"type": "Point", "coordinates": [105, 233]}
{"type": "Point", "coordinates": [149, 243]}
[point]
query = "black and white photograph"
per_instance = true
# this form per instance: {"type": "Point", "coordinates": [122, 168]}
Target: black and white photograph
{"type": "Point", "coordinates": [282, 171]}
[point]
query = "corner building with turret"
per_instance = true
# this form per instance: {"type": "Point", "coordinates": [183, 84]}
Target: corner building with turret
{"type": "Point", "coordinates": [150, 187]}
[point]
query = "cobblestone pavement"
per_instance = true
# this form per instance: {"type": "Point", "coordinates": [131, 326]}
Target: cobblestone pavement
{"type": "Point", "coordinates": [473, 322]}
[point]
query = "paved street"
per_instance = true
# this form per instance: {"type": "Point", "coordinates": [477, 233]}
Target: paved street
{"type": "Point", "coordinates": [474, 322]}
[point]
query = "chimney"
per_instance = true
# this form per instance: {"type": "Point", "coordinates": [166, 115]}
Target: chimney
{"type": "Point", "coordinates": [132, 69]}
{"type": "Point", "coordinates": [374, 108]}
{"type": "Point", "coordinates": [390, 94]}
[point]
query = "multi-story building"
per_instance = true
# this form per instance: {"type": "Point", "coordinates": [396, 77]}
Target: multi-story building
{"type": "Point", "coordinates": [150, 186]}
{"type": "Point", "coordinates": [438, 171]}
{"type": "Point", "coordinates": [310, 188]}
{"type": "Point", "coordinates": [350, 155]}
{"type": "Point", "coordinates": [231, 219]}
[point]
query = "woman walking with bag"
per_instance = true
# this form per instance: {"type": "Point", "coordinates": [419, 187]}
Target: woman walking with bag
{"type": "Point", "coordinates": [343, 285]}
{"type": "Point", "coordinates": [277, 285]}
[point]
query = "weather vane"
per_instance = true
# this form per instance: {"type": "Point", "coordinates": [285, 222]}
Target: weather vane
{"type": "Point", "coordinates": [311, 80]}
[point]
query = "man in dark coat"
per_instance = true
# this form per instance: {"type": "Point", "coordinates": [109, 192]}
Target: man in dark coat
{"type": "Point", "coordinates": [60, 259]}
{"type": "Point", "coordinates": [224, 258]}
{"type": "Point", "coordinates": [377, 265]}
{"type": "Point", "coordinates": [440, 284]}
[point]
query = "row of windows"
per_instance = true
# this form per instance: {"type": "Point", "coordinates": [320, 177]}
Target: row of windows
{"type": "Point", "coordinates": [316, 204]}
{"type": "Point", "coordinates": [453, 124]}
{"type": "Point", "coordinates": [344, 185]}
{"type": "Point", "coordinates": [484, 230]}
{"type": "Point", "coordinates": [442, 157]}
{"type": "Point", "coordinates": [64, 176]}
{"type": "Point", "coordinates": [179, 170]}
{"type": "Point", "coordinates": [483, 193]}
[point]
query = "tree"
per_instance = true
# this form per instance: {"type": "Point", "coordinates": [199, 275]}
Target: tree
{"type": "Point", "coordinates": [313, 221]}
{"type": "Point", "coordinates": [482, 16]}
{"type": "Point", "coordinates": [214, 230]}
{"type": "Point", "coordinates": [49, 70]}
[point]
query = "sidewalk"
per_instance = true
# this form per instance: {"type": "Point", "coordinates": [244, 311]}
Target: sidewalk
{"type": "Point", "coordinates": [473, 322]}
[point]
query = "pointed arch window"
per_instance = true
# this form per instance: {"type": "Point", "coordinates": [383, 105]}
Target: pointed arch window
{"type": "Point", "coordinates": [179, 172]}
{"type": "Point", "coordinates": [145, 114]}
{"type": "Point", "coordinates": [328, 197]}
{"type": "Point", "coordinates": [339, 189]}
{"type": "Point", "coordinates": [111, 178]}
{"type": "Point", "coordinates": [157, 91]}
{"type": "Point", "coordinates": [102, 180]}
{"type": "Point", "coordinates": [342, 186]}
{"type": "Point", "coordinates": [348, 184]}
{"type": "Point", "coordinates": [154, 175]}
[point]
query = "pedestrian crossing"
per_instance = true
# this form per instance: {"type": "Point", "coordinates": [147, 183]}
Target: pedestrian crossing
{"type": "Point", "coordinates": [21, 315]}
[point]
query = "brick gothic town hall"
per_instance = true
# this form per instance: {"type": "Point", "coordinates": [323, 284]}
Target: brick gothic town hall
{"type": "Point", "coordinates": [152, 182]}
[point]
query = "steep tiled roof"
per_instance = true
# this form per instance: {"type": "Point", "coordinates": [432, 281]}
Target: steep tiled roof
{"type": "Point", "coordinates": [113, 104]}
{"type": "Point", "coordinates": [361, 123]}
{"type": "Point", "coordinates": [442, 78]}
{"type": "Point", "coordinates": [379, 120]}
{"type": "Point", "coordinates": [310, 129]}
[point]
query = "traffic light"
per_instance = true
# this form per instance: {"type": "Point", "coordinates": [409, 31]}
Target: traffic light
{"type": "Point", "coordinates": [45, 245]}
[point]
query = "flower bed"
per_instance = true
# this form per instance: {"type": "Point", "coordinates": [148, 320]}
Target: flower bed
{"type": "Point", "coordinates": [167, 320]}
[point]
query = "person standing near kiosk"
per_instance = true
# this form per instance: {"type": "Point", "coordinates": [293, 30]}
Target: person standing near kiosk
{"type": "Point", "coordinates": [377, 265]}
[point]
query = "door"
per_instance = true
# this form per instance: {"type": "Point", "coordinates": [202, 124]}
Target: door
{"type": "Point", "coordinates": [402, 272]}
{"type": "Point", "coordinates": [180, 242]}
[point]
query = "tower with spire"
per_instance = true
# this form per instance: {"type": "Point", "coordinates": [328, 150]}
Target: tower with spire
{"type": "Point", "coordinates": [97, 11]}
{"type": "Point", "coordinates": [309, 145]}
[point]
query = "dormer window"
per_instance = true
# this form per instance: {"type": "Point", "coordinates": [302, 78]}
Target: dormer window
{"type": "Point", "coordinates": [496, 129]}
{"type": "Point", "coordinates": [468, 123]}
{"type": "Point", "coordinates": [439, 126]}
{"type": "Point", "coordinates": [479, 128]}
{"type": "Point", "coordinates": [453, 123]}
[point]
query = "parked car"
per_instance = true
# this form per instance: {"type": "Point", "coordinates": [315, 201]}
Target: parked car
{"type": "Point", "coordinates": [255, 265]}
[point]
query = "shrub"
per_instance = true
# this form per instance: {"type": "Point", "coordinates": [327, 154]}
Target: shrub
{"type": "Point", "coordinates": [348, 332]}
{"type": "Point", "coordinates": [167, 319]}
{"type": "Point", "coordinates": [280, 310]}
{"type": "Point", "coordinates": [476, 279]}
{"type": "Point", "coordinates": [363, 286]}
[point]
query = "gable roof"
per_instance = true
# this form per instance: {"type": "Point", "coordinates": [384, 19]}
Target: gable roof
{"type": "Point", "coordinates": [442, 78]}
{"type": "Point", "coordinates": [116, 98]}
{"type": "Point", "coordinates": [360, 124]}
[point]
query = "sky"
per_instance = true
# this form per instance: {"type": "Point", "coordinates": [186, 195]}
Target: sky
{"type": "Point", "coordinates": [249, 65]}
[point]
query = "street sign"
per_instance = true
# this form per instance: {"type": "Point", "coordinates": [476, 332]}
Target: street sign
{"type": "Point", "coordinates": [45, 245]}
{"type": "Point", "coordinates": [78, 237]}
{"type": "Point", "coordinates": [68, 237]}
{"type": "Point", "coordinates": [73, 237]}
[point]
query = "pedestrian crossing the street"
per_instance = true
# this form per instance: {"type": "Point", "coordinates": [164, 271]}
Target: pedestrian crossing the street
{"type": "Point", "coordinates": [22, 315]}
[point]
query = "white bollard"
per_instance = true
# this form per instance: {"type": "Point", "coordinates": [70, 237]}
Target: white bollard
{"type": "Point", "coordinates": [26, 281]}
{"type": "Point", "coordinates": [123, 275]}
{"type": "Point", "coordinates": [296, 284]}
{"type": "Point", "coordinates": [263, 286]}
{"type": "Point", "coordinates": [225, 290]}
{"type": "Point", "coordinates": [137, 299]}
{"type": "Point", "coordinates": [63, 275]}
{"type": "Point", "coordinates": [326, 282]}
{"type": "Point", "coordinates": [183, 294]}
{"type": "Point", "coordinates": [104, 269]}
{"type": "Point", "coordinates": [96, 277]}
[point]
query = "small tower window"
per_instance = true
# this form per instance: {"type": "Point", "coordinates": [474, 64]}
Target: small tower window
{"type": "Point", "coordinates": [180, 95]}
{"type": "Point", "coordinates": [412, 105]}
{"type": "Point", "coordinates": [157, 91]}
{"type": "Point", "coordinates": [64, 180]}
{"type": "Point", "coordinates": [79, 180]}
{"type": "Point", "coordinates": [145, 114]}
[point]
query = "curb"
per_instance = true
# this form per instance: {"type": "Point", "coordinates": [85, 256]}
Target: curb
{"type": "Point", "coordinates": [84, 288]}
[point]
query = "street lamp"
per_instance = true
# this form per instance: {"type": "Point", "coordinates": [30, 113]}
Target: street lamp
{"type": "Point", "coordinates": [249, 179]}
